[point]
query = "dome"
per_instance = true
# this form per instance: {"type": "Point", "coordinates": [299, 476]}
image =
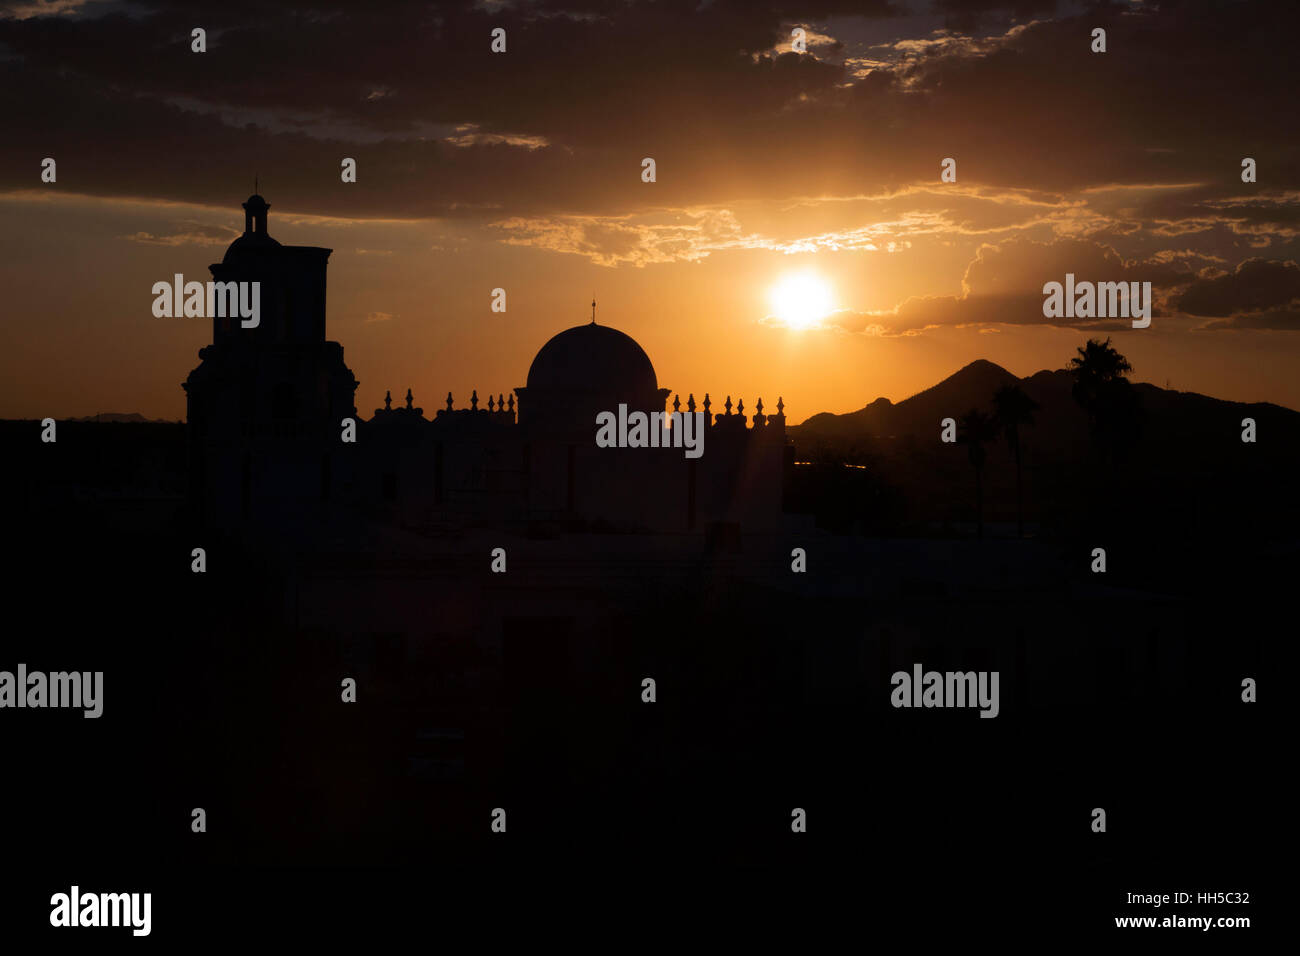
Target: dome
{"type": "Point", "coordinates": [593, 357]}
{"type": "Point", "coordinates": [249, 242]}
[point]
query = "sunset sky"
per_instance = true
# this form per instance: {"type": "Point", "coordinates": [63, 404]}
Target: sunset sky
{"type": "Point", "coordinates": [522, 170]}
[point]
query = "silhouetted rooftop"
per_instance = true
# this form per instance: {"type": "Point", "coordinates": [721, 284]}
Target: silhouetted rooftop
{"type": "Point", "coordinates": [255, 238]}
{"type": "Point", "coordinates": [593, 357]}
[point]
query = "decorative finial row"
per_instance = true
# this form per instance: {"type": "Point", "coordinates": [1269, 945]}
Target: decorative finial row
{"type": "Point", "coordinates": [759, 417]}
{"type": "Point", "coordinates": [495, 404]}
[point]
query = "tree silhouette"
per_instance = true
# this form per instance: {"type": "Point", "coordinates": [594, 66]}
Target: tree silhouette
{"type": "Point", "coordinates": [1012, 408]}
{"type": "Point", "coordinates": [1095, 367]}
{"type": "Point", "coordinates": [1113, 407]}
{"type": "Point", "coordinates": [975, 430]}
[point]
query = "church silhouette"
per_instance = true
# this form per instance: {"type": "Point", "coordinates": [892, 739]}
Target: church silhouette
{"type": "Point", "coordinates": [268, 408]}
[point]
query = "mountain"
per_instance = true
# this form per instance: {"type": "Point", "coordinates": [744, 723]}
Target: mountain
{"type": "Point", "coordinates": [1174, 419]}
{"type": "Point", "coordinates": [971, 387]}
{"type": "Point", "coordinates": [1186, 475]}
{"type": "Point", "coordinates": [119, 417]}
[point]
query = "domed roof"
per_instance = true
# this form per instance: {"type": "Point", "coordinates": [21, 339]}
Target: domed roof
{"type": "Point", "coordinates": [593, 357]}
{"type": "Point", "coordinates": [249, 242]}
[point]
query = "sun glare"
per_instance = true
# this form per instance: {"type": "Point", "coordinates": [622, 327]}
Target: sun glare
{"type": "Point", "coordinates": [801, 299]}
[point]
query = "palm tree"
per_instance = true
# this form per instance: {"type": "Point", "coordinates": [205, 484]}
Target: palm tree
{"type": "Point", "coordinates": [1011, 409]}
{"type": "Point", "coordinates": [1095, 367]}
{"type": "Point", "coordinates": [1113, 407]}
{"type": "Point", "coordinates": [975, 430]}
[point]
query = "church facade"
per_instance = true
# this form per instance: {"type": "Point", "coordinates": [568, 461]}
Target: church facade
{"type": "Point", "coordinates": [267, 409]}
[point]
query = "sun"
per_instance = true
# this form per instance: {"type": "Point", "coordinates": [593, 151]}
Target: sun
{"type": "Point", "coordinates": [801, 299]}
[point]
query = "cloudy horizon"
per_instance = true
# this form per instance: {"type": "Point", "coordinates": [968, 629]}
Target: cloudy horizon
{"type": "Point", "coordinates": [522, 170]}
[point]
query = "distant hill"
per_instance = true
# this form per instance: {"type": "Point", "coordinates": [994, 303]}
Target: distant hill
{"type": "Point", "coordinates": [1188, 477]}
{"type": "Point", "coordinates": [970, 387]}
{"type": "Point", "coordinates": [1173, 417]}
{"type": "Point", "coordinates": [119, 417]}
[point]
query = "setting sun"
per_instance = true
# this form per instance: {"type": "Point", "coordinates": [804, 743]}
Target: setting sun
{"type": "Point", "coordinates": [801, 299]}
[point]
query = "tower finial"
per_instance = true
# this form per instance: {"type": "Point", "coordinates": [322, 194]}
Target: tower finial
{"type": "Point", "coordinates": [593, 310]}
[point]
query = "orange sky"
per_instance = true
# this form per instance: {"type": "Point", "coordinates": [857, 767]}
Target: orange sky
{"type": "Point", "coordinates": [523, 173]}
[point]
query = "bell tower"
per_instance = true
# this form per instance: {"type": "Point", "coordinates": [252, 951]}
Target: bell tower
{"type": "Point", "coordinates": [266, 404]}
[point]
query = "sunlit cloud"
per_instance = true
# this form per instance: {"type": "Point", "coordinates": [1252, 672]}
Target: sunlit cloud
{"type": "Point", "coordinates": [468, 135]}
{"type": "Point", "coordinates": [188, 234]}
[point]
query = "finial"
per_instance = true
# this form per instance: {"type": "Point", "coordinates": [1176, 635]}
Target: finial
{"type": "Point", "coordinates": [728, 405]}
{"type": "Point", "coordinates": [512, 403]}
{"type": "Point", "coordinates": [707, 404]}
{"type": "Point", "coordinates": [690, 402]}
{"type": "Point", "coordinates": [759, 409]}
{"type": "Point", "coordinates": [492, 404]}
{"type": "Point", "coordinates": [740, 407]}
{"type": "Point", "coordinates": [677, 403]}
{"type": "Point", "coordinates": [501, 401]}
{"type": "Point", "coordinates": [593, 310]}
{"type": "Point", "coordinates": [388, 400]}
{"type": "Point", "coordinates": [409, 398]}
{"type": "Point", "coordinates": [449, 401]}
{"type": "Point", "coordinates": [780, 406]}
{"type": "Point", "coordinates": [473, 401]}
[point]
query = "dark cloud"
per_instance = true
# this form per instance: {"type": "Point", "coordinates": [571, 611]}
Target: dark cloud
{"type": "Point", "coordinates": [1003, 285]}
{"type": "Point", "coordinates": [1256, 285]}
{"type": "Point", "coordinates": [558, 125]}
{"type": "Point", "coordinates": [969, 15]}
{"type": "Point", "coordinates": [1276, 320]}
{"type": "Point", "coordinates": [1244, 212]}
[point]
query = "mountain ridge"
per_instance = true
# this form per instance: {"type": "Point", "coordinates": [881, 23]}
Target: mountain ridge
{"type": "Point", "coordinates": [972, 386]}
